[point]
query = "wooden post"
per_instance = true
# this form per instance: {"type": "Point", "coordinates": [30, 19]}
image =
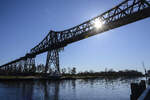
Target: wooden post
{"type": "Point", "coordinates": [137, 89]}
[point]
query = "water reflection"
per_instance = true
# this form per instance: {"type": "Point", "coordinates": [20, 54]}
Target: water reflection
{"type": "Point", "coordinates": [87, 89]}
{"type": "Point", "coordinates": [46, 90]}
{"type": "Point", "coordinates": [15, 90]}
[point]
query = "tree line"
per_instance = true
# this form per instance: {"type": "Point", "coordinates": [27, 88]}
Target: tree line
{"type": "Point", "coordinates": [73, 71]}
{"type": "Point", "coordinates": [110, 72]}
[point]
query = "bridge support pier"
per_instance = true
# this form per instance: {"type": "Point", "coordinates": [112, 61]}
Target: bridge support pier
{"type": "Point", "coordinates": [52, 62]}
{"type": "Point", "coordinates": [29, 65]}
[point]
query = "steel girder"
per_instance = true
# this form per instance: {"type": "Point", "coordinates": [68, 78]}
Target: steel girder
{"type": "Point", "coordinates": [129, 9]}
{"type": "Point", "coordinates": [22, 66]}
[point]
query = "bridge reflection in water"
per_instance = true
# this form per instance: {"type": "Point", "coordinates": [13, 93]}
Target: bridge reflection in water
{"type": "Point", "coordinates": [88, 89]}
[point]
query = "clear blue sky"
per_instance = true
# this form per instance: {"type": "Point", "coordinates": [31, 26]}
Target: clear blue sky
{"type": "Point", "coordinates": [24, 23]}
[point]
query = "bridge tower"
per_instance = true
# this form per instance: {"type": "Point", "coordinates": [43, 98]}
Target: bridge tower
{"type": "Point", "coordinates": [52, 62]}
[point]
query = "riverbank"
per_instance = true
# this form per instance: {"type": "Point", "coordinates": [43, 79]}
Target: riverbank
{"type": "Point", "coordinates": [68, 77]}
{"type": "Point", "coordinates": [40, 78]}
{"type": "Point", "coordinates": [19, 77]}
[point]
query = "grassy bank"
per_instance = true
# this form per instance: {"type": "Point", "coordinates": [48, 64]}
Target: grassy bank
{"type": "Point", "coordinates": [63, 77]}
{"type": "Point", "coordinates": [18, 77]}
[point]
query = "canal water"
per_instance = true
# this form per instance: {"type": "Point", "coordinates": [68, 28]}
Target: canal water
{"type": "Point", "coordinates": [87, 89]}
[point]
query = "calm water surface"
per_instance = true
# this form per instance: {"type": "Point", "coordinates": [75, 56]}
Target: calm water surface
{"type": "Point", "coordinates": [87, 89]}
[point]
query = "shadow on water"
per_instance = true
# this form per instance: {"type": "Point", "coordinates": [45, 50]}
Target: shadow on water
{"type": "Point", "coordinates": [81, 89]}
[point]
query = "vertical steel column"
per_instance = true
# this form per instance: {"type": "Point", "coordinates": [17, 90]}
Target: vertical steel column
{"type": "Point", "coordinates": [32, 65]}
{"type": "Point", "coordinates": [20, 67]}
{"type": "Point", "coordinates": [25, 65]}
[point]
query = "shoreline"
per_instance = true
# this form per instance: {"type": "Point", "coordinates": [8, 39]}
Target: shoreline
{"type": "Point", "coordinates": [60, 78]}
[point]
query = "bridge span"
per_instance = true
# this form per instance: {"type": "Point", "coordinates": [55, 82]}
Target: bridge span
{"type": "Point", "coordinates": [126, 12]}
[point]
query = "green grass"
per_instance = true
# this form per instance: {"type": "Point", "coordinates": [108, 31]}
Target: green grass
{"type": "Point", "coordinates": [17, 77]}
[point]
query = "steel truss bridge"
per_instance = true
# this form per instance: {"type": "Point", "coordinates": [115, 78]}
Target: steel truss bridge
{"type": "Point", "coordinates": [126, 12]}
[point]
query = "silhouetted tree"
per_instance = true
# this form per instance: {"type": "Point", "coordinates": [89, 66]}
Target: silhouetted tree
{"type": "Point", "coordinates": [63, 70]}
{"type": "Point", "coordinates": [73, 71]}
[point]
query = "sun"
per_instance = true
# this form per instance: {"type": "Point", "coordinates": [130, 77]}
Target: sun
{"type": "Point", "coordinates": [98, 23]}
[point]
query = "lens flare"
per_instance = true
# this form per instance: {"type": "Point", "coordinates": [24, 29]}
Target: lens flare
{"type": "Point", "coordinates": [98, 23]}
